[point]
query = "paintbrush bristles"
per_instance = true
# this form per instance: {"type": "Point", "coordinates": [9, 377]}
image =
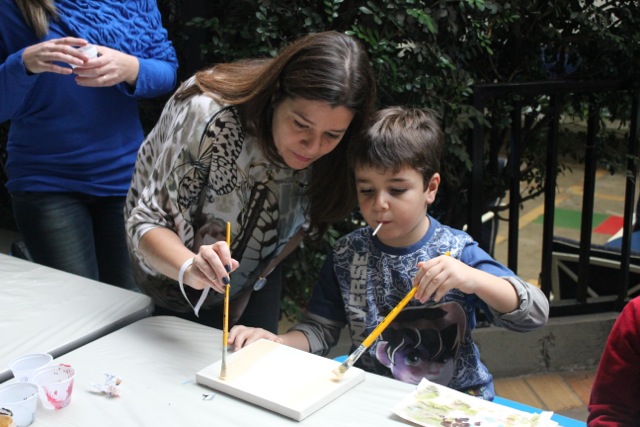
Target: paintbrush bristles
{"type": "Point", "coordinates": [340, 370]}
{"type": "Point", "coordinates": [376, 230]}
{"type": "Point", "coordinates": [353, 357]}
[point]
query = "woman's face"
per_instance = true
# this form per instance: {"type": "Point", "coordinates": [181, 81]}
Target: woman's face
{"type": "Point", "coordinates": [304, 131]}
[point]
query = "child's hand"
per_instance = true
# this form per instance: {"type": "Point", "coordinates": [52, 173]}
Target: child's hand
{"type": "Point", "coordinates": [441, 274]}
{"type": "Point", "coordinates": [241, 336]}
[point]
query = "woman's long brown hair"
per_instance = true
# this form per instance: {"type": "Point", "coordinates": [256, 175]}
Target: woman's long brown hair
{"type": "Point", "coordinates": [37, 14]}
{"type": "Point", "coordinates": [330, 67]}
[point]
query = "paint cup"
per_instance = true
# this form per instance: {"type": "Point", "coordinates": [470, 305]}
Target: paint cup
{"type": "Point", "coordinates": [25, 367]}
{"type": "Point", "coordinates": [22, 400]}
{"type": "Point", "coordinates": [56, 385]}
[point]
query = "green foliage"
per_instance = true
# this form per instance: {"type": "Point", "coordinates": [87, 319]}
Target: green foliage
{"type": "Point", "coordinates": [431, 54]}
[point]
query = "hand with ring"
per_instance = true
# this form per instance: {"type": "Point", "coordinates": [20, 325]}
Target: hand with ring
{"type": "Point", "coordinates": [110, 68]}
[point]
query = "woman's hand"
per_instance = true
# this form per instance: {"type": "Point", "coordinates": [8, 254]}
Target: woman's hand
{"type": "Point", "coordinates": [40, 58]}
{"type": "Point", "coordinates": [109, 68]}
{"type": "Point", "coordinates": [211, 267]}
{"type": "Point", "coordinates": [241, 336]}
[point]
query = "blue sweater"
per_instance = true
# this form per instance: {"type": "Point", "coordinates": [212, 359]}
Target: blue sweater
{"type": "Point", "coordinates": [65, 137]}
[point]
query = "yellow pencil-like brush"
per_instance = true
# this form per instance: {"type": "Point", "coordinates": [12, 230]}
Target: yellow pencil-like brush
{"type": "Point", "coordinates": [225, 317]}
{"type": "Point", "coordinates": [340, 370]}
{"type": "Point", "coordinates": [353, 357]}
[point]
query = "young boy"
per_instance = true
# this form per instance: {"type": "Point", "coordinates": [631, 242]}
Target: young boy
{"type": "Point", "coordinates": [396, 169]}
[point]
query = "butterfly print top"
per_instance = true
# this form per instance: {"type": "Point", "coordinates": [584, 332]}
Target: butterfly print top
{"type": "Point", "coordinates": [195, 171]}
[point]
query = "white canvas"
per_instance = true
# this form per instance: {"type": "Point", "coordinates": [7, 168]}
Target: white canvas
{"type": "Point", "coordinates": [282, 379]}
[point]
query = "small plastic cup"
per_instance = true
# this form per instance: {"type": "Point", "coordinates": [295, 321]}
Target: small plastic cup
{"type": "Point", "coordinates": [25, 367]}
{"type": "Point", "coordinates": [22, 400]}
{"type": "Point", "coordinates": [56, 385]}
{"type": "Point", "coordinates": [89, 50]}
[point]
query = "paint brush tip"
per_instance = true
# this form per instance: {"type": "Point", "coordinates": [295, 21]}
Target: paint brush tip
{"type": "Point", "coordinates": [340, 370]}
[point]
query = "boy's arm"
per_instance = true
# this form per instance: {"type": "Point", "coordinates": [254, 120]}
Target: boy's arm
{"type": "Point", "coordinates": [320, 333]}
{"type": "Point", "coordinates": [315, 334]}
{"type": "Point", "coordinates": [533, 311]}
{"type": "Point", "coordinates": [497, 292]}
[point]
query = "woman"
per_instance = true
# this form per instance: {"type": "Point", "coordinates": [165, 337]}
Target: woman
{"type": "Point", "coordinates": [258, 143]}
{"type": "Point", "coordinates": [75, 129]}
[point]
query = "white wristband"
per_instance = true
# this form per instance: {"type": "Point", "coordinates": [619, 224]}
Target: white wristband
{"type": "Point", "coordinates": [183, 269]}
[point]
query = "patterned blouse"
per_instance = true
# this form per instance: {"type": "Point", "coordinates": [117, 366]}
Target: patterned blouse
{"type": "Point", "coordinates": [198, 169]}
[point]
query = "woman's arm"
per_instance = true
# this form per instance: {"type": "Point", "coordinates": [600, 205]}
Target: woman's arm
{"type": "Point", "coordinates": [165, 252]}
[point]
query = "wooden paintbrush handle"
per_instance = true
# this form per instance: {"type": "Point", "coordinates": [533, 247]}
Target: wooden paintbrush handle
{"type": "Point", "coordinates": [389, 318]}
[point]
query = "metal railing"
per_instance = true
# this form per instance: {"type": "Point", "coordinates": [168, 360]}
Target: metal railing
{"type": "Point", "coordinates": [557, 92]}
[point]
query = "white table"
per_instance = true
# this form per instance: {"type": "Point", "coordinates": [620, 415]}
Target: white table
{"type": "Point", "coordinates": [157, 359]}
{"type": "Point", "coordinates": [47, 310]}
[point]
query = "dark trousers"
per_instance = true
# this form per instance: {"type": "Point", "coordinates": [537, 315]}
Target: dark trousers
{"type": "Point", "coordinates": [76, 233]}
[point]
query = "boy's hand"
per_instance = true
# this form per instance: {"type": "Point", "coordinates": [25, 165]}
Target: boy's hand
{"type": "Point", "coordinates": [241, 336]}
{"type": "Point", "coordinates": [441, 274]}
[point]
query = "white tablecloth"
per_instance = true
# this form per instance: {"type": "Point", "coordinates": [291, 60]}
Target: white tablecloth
{"type": "Point", "coordinates": [47, 310]}
{"type": "Point", "coordinates": [157, 359]}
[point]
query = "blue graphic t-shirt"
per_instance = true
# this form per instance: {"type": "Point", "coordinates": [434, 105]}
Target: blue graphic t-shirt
{"type": "Point", "coordinates": [363, 280]}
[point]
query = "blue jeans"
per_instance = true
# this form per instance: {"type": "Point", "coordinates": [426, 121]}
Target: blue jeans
{"type": "Point", "coordinates": [76, 233]}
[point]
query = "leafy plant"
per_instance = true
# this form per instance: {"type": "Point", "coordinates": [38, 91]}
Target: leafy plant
{"type": "Point", "coordinates": [432, 54]}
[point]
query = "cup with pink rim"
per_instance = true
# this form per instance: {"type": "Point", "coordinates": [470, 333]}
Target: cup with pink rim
{"type": "Point", "coordinates": [55, 384]}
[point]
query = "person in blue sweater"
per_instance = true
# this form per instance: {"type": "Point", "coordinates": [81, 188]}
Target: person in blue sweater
{"type": "Point", "coordinates": [74, 123]}
{"type": "Point", "coordinates": [396, 168]}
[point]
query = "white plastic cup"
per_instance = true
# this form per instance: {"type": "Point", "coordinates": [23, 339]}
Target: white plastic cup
{"type": "Point", "coordinates": [25, 367]}
{"type": "Point", "coordinates": [22, 400]}
{"type": "Point", "coordinates": [89, 50]}
{"type": "Point", "coordinates": [55, 385]}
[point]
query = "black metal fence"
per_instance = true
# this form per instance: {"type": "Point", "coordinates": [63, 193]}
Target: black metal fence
{"type": "Point", "coordinates": [582, 299]}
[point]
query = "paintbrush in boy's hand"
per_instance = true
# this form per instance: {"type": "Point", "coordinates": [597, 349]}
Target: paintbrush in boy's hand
{"type": "Point", "coordinates": [353, 357]}
{"type": "Point", "coordinates": [340, 370]}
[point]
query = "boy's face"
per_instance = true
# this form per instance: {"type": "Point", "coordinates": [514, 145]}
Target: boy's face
{"type": "Point", "coordinates": [399, 201]}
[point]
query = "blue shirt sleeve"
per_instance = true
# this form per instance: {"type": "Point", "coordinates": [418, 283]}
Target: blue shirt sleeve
{"type": "Point", "coordinates": [15, 83]}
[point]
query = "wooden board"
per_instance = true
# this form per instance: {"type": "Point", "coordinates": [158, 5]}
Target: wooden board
{"type": "Point", "coordinates": [282, 379]}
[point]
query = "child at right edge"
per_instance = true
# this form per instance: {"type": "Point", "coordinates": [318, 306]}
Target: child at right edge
{"type": "Point", "coordinates": [396, 168]}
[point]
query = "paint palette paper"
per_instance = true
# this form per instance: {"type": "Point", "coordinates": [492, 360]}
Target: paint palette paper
{"type": "Point", "coordinates": [434, 405]}
{"type": "Point", "coordinates": [282, 379]}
